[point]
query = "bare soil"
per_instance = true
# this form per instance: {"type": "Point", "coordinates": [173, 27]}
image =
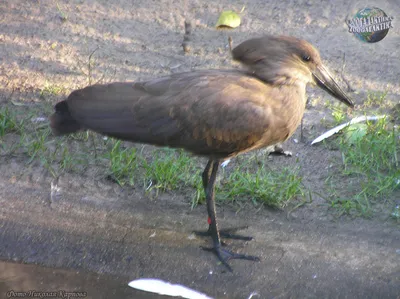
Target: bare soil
{"type": "Point", "coordinates": [96, 225]}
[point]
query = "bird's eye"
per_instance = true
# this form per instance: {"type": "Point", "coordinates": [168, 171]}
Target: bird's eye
{"type": "Point", "coordinates": [306, 58]}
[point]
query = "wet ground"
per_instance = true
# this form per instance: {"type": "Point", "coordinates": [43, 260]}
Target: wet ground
{"type": "Point", "coordinates": [94, 236]}
{"type": "Point", "coordinates": [28, 280]}
{"type": "Point", "coordinates": [131, 236]}
{"type": "Point", "coordinates": [18, 278]}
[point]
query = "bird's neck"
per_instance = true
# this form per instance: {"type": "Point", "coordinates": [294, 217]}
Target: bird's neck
{"type": "Point", "coordinates": [294, 102]}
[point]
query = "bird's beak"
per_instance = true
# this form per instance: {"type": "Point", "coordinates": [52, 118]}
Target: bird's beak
{"type": "Point", "coordinates": [324, 80]}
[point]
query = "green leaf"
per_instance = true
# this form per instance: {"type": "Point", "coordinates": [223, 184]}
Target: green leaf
{"type": "Point", "coordinates": [355, 132]}
{"type": "Point", "coordinates": [228, 19]}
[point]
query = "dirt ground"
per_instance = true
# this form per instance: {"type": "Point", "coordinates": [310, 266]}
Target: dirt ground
{"type": "Point", "coordinates": [98, 226]}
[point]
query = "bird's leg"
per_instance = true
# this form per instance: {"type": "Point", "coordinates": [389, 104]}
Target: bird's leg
{"type": "Point", "coordinates": [228, 233]}
{"type": "Point", "coordinates": [206, 174]}
{"type": "Point", "coordinates": [223, 255]}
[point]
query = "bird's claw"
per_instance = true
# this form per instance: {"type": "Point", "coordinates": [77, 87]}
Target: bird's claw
{"type": "Point", "coordinates": [225, 255]}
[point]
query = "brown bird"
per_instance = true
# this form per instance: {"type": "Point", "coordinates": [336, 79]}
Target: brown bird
{"type": "Point", "coordinates": [213, 113]}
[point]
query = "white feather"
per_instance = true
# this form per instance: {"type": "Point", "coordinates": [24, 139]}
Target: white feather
{"type": "Point", "coordinates": [164, 288]}
{"type": "Point", "coordinates": [340, 127]}
{"type": "Point", "coordinates": [225, 163]}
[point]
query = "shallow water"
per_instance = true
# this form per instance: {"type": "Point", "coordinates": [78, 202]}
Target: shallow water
{"type": "Point", "coordinates": [16, 280]}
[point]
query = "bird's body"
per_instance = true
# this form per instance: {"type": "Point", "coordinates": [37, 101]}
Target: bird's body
{"type": "Point", "coordinates": [184, 110]}
{"type": "Point", "coordinates": [212, 113]}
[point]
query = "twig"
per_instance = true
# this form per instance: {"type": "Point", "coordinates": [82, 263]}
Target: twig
{"type": "Point", "coordinates": [301, 131]}
{"type": "Point", "coordinates": [230, 43]}
{"type": "Point", "coordinates": [91, 136]}
{"type": "Point", "coordinates": [63, 16]}
{"type": "Point", "coordinates": [349, 88]}
{"type": "Point", "coordinates": [186, 38]}
{"type": "Point", "coordinates": [90, 66]}
{"type": "Point", "coordinates": [396, 161]}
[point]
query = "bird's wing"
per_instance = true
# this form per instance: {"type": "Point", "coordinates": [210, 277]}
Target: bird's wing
{"type": "Point", "coordinates": [208, 113]}
{"type": "Point", "coordinates": [123, 110]}
{"type": "Point", "coordinates": [222, 115]}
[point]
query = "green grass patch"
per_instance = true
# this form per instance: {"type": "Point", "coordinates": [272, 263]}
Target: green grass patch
{"type": "Point", "coordinates": [170, 169]}
{"type": "Point", "coordinates": [63, 16]}
{"type": "Point", "coordinates": [35, 143]}
{"type": "Point", "coordinates": [123, 164]}
{"type": "Point", "coordinates": [370, 166]}
{"type": "Point", "coordinates": [9, 122]}
{"type": "Point", "coordinates": [339, 116]}
{"type": "Point", "coordinates": [51, 90]}
{"type": "Point", "coordinates": [375, 98]}
{"type": "Point", "coordinates": [274, 188]}
{"type": "Point", "coordinates": [22, 135]}
{"type": "Point", "coordinates": [175, 170]}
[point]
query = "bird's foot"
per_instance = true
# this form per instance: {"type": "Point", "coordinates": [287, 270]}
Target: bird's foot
{"type": "Point", "coordinates": [228, 233]}
{"type": "Point", "coordinates": [225, 255]}
{"type": "Point", "coordinates": [279, 151]}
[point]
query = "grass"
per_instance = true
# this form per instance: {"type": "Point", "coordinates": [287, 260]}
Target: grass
{"type": "Point", "coordinates": [123, 164]}
{"type": "Point", "coordinates": [164, 170]}
{"type": "Point", "coordinates": [35, 144]}
{"type": "Point", "coordinates": [63, 16]}
{"type": "Point", "coordinates": [375, 98]}
{"type": "Point", "coordinates": [51, 90]}
{"type": "Point", "coordinates": [175, 170]}
{"type": "Point", "coordinates": [272, 188]}
{"type": "Point", "coordinates": [339, 116]}
{"type": "Point", "coordinates": [370, 166]}
{"type": "Point", "coordinates": [169, 170]}
{"type": "Point", "coordinates": [369, 174]}
{"type": "Point", "coordinates": [339, 112]}
{"type": "Point", "coordinates": [35, 141]}
{"type": "Point", "coordinates": [9, 122]}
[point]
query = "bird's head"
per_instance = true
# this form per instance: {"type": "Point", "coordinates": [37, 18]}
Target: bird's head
{"type": "Point", "coordinates": [285, 60]}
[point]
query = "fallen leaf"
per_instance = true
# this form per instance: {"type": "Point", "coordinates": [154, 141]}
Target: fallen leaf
{"type": "Point", "coordinates": [229, 19]}
{"type": "Point", "coordinates": [355, 132]}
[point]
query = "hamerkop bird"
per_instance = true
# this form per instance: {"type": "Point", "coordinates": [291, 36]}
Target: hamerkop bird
{"type": "Point", "coordinates": [213, 113]}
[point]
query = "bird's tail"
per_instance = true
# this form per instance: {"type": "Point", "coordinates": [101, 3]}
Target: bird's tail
{"type": "Point", "coordinates": [62, 122]}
